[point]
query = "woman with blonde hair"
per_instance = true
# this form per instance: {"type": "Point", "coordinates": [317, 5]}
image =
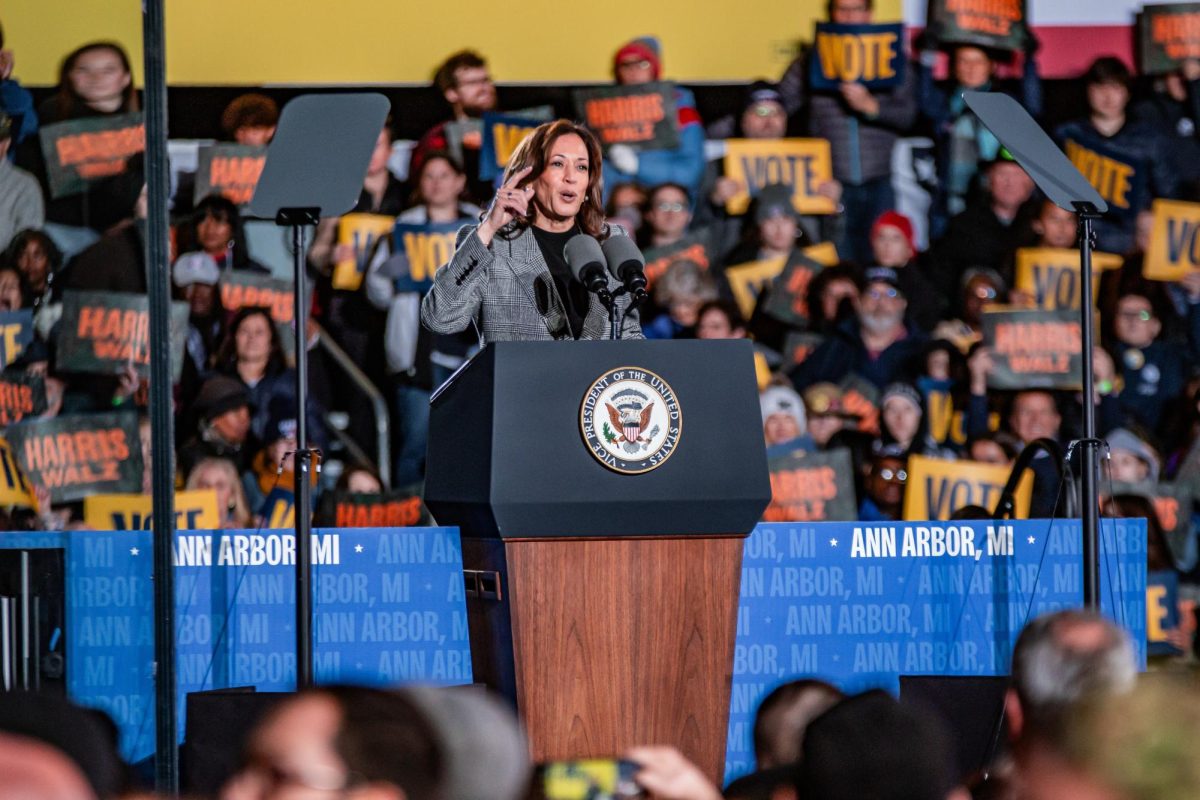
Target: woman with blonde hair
{"type": "Point", "coordinates": [509, 275]}
{"type": "Point", "coordinates": [220, 475]}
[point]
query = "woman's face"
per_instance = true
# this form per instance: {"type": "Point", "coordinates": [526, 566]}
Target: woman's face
{"type": "Point", "coordinates": [902, 419]}
{"type": "Point", "coordinates": [972, 67]}
{"type": "Point", "coordinates": [217, 479]}
{"type": "Point", "coordinates": [214, 235]}
{"type": "Point", "coordinates": [1127, 467]}
{"type": "Point", "coordinates": [988, 452]}
{"type": "Point", "coordinates": [34, 264]}
{"type": "Point", "coordinates": [669, 213]}
{"type": "Point", "coordinates": [715, 325]}
{"type": "Point", "coordinates": [937, 365]}
{"type": "Point", "coordinates": [234, 425]}
{"type": "Point", "coordinates": [441, 184]}
{"type": "Point", "coordinates": [562, 187]}
{"type": "Point", "coordinates": [778, 232]}
{"type": "Point", "coordinates": [891, 247]}
{"type": "Point", "coordinates": [379, 156]}
{"type": "Point", "coordinates": [362, 482]}
{"type": "Point", "coordinates": [10, 290]}
{"type": "Point", "coordinates": [780, 428]}
{"type": "Point", "coordinates": [98, 76]}
{"type": "Point", "coordinates": [253, 338]}
{"type": "Point", "coordinates": [1108, 100]}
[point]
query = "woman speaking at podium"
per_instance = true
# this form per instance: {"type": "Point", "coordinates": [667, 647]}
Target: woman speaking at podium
{"type": "Point", "coordinates": [509, 275]}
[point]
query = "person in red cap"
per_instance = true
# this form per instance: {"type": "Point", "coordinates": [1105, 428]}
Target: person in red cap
{"type": "Point", "coordinates": [893, 245]}
{"type": "Point", "coordinates": [640, 61]}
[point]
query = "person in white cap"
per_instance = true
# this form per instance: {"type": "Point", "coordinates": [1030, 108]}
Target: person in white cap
{"type": "Point", "coordinates": [783, 415]}
{"type": "Point", "coordinates": [196, 274]}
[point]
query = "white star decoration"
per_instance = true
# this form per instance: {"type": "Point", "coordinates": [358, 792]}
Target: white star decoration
{"type": "Point", "coordinates": [358, 548]}
{"type": "Point", "coordinates": [833, 542]}
{"type": "Point", "coordinates": [133, 551]}
{"type": "Point", "coordinates": [1031, 540]}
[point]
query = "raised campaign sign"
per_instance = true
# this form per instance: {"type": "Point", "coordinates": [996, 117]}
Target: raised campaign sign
{"type": "Point", "coordinates": [788, 299]}
{"type": "Point", "coordinates": [995, 24]}
{"type": "Point", "coordinates": [643, 115]}
{"type": "Point", "coordinates": [501, 135]}
{"type": "Point", "coordinates": [105, 332]}
{"type": "Point", "coordinates": [1174, 249]}
{"type": "Point", "coordinates": [81, 152]}
{"type": "Point", "coordinates": [1168, 34]}
{"type": "Point", "coordinates": [425, 247]}
{"type": "Point", "coordinates": [362, 233]}
{"type": "Point", "coordinates": [195, 509]}
{"type": "Point", "coordinates": [694, 247]}
{"type": "Point", "coordinates": [872, 55]}
{"type": "Point", "coordinates": [1034, 349]}
{"type": "Point", "coordinates": [938, 487]}
{"type": "Point", "coordinates": [22, 394]}
{"type": "Point", "coordinates": [77, 455]}
{"type": "Point", "coordinates": [803, 164]}
{"type": "Point", "coordinates": [811, 487]}
{"type": "Point", "coordinates": [16, 333]}
{"type": "Point", "coordinates": [1050, 275]}
{"type": "Point", "coordinates": [230, 170]}
{"type": "Point", "coordinates": [391, 509]}
{"type": "Point", "coordinates": [242, 289]}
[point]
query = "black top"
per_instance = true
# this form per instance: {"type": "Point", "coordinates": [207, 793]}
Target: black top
{"type": "Point", "coordinates": [573, 293]}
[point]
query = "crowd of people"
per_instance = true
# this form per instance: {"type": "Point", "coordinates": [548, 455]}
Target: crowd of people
{"type": "Point", "coordinates": [1076, 721]}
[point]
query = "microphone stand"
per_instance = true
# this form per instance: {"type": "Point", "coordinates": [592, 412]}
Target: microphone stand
{"type": "Point", "coordinates": [609, 299]}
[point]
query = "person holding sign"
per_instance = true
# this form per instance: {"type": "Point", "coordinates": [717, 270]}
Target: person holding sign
{"type": "Point", "coordinates": [509, 277]}
{"type": "Point", "coordinates": [862, 126]}
{"type": "Point", "coordinates": [962, 144]}
{"type": "Point", "coordinates": [96, 80]}
{"type": "Point", "coordinates": [1123, 158]}
{"type": "Point", "coordinates": [417, 361]}
{"type": "Point", "coordinates": [640, 62]}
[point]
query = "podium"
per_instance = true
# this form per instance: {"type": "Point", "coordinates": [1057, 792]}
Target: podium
{"type": "Point", "coordinates": [602, 490]}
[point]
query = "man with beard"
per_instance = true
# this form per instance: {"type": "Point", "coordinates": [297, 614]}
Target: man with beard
{"type": "Point", "coordinates": [875, 344]}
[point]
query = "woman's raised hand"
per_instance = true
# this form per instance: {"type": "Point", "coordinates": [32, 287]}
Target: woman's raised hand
{"type": "Point", "coordinates": [510, 202]}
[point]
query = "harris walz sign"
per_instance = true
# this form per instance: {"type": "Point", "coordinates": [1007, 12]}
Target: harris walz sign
{"type": "Point", "coordinates": [1168, 33]}
{"type": "Point", "coordinates": [79, 455]}
{"type": "Point", "coordinates": [643, 115]}
{"type": "Point", "coordinates": [103, 332]}
{"type": "Point", "coordinates": [996, 24]}
{"type": "Point", "coordinates": [80, 152]}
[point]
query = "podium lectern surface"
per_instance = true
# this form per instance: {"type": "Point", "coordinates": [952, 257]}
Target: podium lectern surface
{"type": "Point", "coordinates": [507, 456]}
{"type": "Point", "coordinates": [603, 490]}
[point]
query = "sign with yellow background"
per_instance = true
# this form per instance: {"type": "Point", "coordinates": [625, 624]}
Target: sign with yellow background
{"type": "Point", "coordinates": [195, 510]}
{"type": "Point", "coordinates": [15, 489]}
{"type": "Point", "coordinates": [361, 232]}
{"type": "Point", "coordinates": [748, 280]}
{"type": "Point", "coordinates": [937, 487]}
{"type": "Point", "coordinates": [1174, 250]}
{"type": "Point", "coordinates": [1050, 275]}
{"type": "Point", "coordinates": [803, 164]}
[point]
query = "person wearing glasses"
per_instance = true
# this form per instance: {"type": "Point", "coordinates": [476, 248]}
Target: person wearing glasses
{"type": "Point", "coordinates": [1152, 369]}
{"type": "Point", "coordinates": [876, 344]}
{"type": "Point", "coordinates": [668, 212]}
{"type": "Point", "coordinates": [884, 486]}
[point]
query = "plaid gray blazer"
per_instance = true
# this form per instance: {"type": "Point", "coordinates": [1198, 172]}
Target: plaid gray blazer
{"type": "Point", "coordinates": [508, 291]}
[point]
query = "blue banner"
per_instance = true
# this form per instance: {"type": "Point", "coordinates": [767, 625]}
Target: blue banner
{"type": "Point", "coordinates": [388, 607]}
{"type": "Point", "coordinates": [860, 605]}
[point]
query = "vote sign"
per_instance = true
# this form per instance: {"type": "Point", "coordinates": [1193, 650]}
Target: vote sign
{"type": "Point", "coordinates": [872, 55]}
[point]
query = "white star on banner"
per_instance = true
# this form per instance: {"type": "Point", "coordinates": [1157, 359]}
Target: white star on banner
{"type": "Point", "coordinates": [133, 551]}
{"type": "Point", "coordinates": [1032, 540]}
{"type": "Point", "coordinates": [833, 542]}
{"type": "Point", "coordinates": [358, 548]}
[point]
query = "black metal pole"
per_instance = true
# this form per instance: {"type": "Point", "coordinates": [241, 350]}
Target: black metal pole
{"type": "Point", "coordinates": [303, 486]}
{"type": "Point", "coordinates": [158, 260]}
{"type": "Point", "coordinates": [1090, 512]}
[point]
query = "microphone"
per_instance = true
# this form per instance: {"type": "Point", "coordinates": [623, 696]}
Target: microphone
{"type": "Point", "coordinates": [586, 260]}
{"type": "Point", "coordinates": [627, 264]}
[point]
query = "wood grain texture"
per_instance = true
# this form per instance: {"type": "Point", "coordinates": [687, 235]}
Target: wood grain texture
{"type": "Point", "coordinates": [613, 642]}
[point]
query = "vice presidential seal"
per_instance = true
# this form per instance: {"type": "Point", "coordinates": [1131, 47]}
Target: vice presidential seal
{"type": "Point", "coordinates": [630, 420]}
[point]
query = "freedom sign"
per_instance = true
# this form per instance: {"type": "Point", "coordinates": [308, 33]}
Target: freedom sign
{"type": "Point", "coordinates": [872, 55]}
{"type": "Point", "coordinates": [996, 24]}
{"type": "Point", "coordinates": [643, 115]}
{"type": "Point", "coordinates": [803, 164]}
{"type": "Point", "coordinates": [1034, 349]}
{"type": "Point", "coordinates": [1168, 33]}
{"type": "Point", "coordinates": [81, 152]}
{"type": "Point", "coordinates": [78, 455]}
{"type": "Point", "coordinates": [1174, 249]}
{"type": "Point", "coordinates": [230, 170]}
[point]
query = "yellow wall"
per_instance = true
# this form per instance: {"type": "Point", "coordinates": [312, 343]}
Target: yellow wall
{"type": "Point", "coordinates": [250, 42]}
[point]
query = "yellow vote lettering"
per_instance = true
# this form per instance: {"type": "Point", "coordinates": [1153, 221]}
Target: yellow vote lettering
{"type": "Point", "coordinates": [857, 57]}
{"type": "Point", "coordinates": [1156, 613]}
{"type": "Point", "coordinates": [507, 137]}
{"type": "Point", "coordinates": [426, 252]}
{"type": "Point", "coordinates": [1111, 178]}
{"type": "Point", "coordinates": [12, 348]}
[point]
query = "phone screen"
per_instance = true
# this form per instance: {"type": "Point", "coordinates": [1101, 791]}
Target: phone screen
{"type": "Point", "coordinates": [592, 779]}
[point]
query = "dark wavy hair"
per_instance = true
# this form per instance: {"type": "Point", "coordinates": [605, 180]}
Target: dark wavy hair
{"type": "Point", "coordinates": [226, 358]}
{"type": "Point", "coordinates": [68, 101]}
{"type": "Point", "coordinates": [535, 150]}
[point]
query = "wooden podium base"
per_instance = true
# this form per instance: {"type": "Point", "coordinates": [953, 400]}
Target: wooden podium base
{"type": "Point", "coordinates": [604, 644]}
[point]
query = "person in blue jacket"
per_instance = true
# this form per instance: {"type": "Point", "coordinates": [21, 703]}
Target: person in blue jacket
{"type": "Point", "coordinates": [962, 143]}
{"type": "Point", "coordinates": [15, 100]}
{"type": "Point", "coordinates": [638, 62]}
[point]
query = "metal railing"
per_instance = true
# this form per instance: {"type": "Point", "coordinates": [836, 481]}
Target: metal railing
{"type": "Point", "coordinates": [378, 404]}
